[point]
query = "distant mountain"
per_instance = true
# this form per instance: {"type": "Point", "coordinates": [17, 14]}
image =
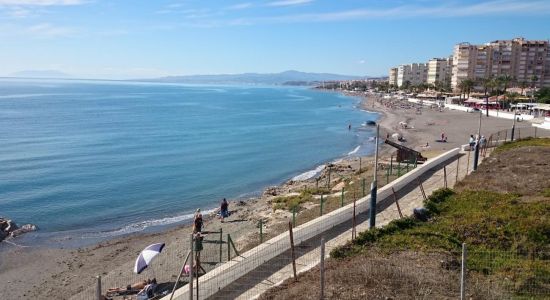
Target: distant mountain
{"type": "Point", "coordinates": [283, 78]}
{"type": "Point", "coordinates": [40, 74]}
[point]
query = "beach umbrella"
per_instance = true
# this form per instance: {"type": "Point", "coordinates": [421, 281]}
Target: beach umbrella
{"type": "Point", "coordinates": [146, 256]}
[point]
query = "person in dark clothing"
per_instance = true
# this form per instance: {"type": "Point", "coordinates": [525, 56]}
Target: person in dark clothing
{"type": "Point", "coordinates": [197, 222]}
{"type": "Point", "coordinates": [224, 209]}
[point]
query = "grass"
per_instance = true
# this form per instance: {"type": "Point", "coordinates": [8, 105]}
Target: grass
{"type": "Point", "coordinates": [291, 202]}
{"type": "Point", "coordinates": [544, 142]}
{"type": "Point", "coordinates": [506, 237]}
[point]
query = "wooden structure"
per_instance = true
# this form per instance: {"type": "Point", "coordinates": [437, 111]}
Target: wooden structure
{"type": "Point", "coordinates": [406, 154]}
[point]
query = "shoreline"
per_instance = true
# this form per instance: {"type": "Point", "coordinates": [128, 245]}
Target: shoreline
{"type": "Point", "coordinates": [69, 239]}
{"type": "Point", "coordinates": [69, 266]}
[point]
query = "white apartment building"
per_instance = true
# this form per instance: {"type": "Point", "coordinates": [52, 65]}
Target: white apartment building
{"type": "Point", "coordinates": [519, 58]}
{"type": "Point", "coordinates": [439, 70]}
{"type": "Point", "coordinates": [393, 76]}
{"type": "Point", "coordinates": [415, 74]}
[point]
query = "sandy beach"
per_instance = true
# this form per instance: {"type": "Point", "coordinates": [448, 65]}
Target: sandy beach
{"type": "Point", "coordinates": [38, 273]}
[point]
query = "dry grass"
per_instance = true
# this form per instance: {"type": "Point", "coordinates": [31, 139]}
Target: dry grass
{"type": "Point", "coordinates": [399, 275]}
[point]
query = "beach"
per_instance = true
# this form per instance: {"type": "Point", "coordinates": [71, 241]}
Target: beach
{"type": "Point", "coordinates": [36, 273]}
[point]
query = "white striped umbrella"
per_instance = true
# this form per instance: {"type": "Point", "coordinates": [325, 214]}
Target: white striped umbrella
{"type": "Point", "coordinates": [146, 256]}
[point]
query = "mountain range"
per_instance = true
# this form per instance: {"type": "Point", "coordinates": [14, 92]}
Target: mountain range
{"type": "Point", "coordinates": [283, 78]}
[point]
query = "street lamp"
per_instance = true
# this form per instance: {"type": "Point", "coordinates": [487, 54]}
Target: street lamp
{"type": "Point", "coordinates": [373, 187]}
{"type": "Point", "coordinates": [476, 153]}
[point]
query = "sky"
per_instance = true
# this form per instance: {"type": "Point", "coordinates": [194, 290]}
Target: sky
{"type": "Point", "coordinates": [123, 39]}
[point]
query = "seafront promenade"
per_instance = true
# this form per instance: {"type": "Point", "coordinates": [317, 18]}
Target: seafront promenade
{"type": "Point", "coordinates": [272, 271]}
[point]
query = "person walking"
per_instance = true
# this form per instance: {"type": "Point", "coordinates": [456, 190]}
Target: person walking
{"type": "Point", "coordinates": [224, 209]}
{"type": "Point", "coordinates": [472, 142]}
{"type": "Point", "coordinates": [197, 221]}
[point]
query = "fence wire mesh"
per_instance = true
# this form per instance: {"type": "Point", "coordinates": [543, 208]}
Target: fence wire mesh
{"type": "Point", "coordinates": [253, 270]}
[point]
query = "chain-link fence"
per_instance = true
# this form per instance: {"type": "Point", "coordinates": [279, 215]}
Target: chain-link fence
{"type": "Point", "coordinates": [265, 259]}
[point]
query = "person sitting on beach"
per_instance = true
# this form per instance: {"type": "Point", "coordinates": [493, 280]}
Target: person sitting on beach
{"type": "Point", "coordinates": [224, 209]}
{"type": "Point", "coordinates": [197, 222]}
{"type": "Point", "coordinates": [148, 290]}
{"type": "Point", "coordinates": [135, 287]}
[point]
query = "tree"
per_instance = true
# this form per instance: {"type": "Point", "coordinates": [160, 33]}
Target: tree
{"type": "Point", "coordinates": [523, 85]}
{"type": "Point", "coordinates": [487, 83]}
{"type": "Point", "coordinates": [543, 95]}
{"type": "Point", "coordinates": [468, 85]}
{"type": "Point", "coordinates": [505, 80]}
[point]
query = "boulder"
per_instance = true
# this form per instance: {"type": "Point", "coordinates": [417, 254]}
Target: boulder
{"type": "Point", "coordinates": [271, 191]}
{"type": "Point", "coordinates": [11, 226]}
{"type": "Point", "coordinates": [24, 229]}
{"type": "Point", "coordinates": [420, 213]}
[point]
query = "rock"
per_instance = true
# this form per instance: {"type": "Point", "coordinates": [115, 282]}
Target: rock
{"type": "Point", "coordinates": [11, 226]}
{"type": "Point", "coordinates": [272, 191]}
{"type": "Point", "coordinates": [420, 213]}
{"type": "Point", "coordinates": [3, 235]}
{"type": "Point", "coordinates": [24, 229]}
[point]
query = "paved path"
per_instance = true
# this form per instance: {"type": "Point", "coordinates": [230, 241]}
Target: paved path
{"type": "Point", "coordinates": [307, 254]}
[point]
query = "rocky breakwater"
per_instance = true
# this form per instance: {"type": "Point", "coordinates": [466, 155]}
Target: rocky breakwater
{"type": "Point", "coordinates": [8, 228]}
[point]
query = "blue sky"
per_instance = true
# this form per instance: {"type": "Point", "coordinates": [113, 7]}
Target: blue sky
{"type": "Point", "coordinates": [135, 39]}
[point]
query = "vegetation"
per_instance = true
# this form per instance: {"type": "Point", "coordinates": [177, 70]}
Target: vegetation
{"type": "Point", "coordinates": [543, 95]}
{"type": "Point", "coordinates": [523, 143]}
{"type": "Point", "coordinates": [507, 234]}
{"type": "Point", "coordinates": [291, 202]}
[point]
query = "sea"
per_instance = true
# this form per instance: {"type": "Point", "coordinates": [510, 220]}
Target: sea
{"type": "Point", "coordinates": [92, 160]}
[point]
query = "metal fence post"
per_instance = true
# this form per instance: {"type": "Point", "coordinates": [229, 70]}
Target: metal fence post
{"type": "Point", "coordinates": [228, 247]}
{"type": "Point", "coordinates": [342, 198]}
{"type": "Point", "coordinates": [294, 216]}
{"type": "Point", "coordinates": [98, 290]}
{"type": "Point", "coordinates": [399, 169]}
{"type": "Point", "coordinates": [322, 268]}
{"type": "Point", "coordinates": [292, 250]}
{"type": "Point", "coordinates": [463, 273]}
{"type": "Point", "coordinates": [321, 207]}
{"type": "Point", "coordinates": [360, 164]}
{"type": "Point", "coordinates": [391, 165]}
{"type": "Point", "coordinates": [221, 244]}
{"type": "Point", "coordinates": [445, 175]}
{"type": "Point", "coordinates": [261, 231]}
{"type": "Point", "coordinates": [457, 165]}
{"type": "Point", "coordinates": [191, 273]}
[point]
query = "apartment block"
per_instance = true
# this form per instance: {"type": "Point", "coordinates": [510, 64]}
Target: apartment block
{"type": "Point", "coordinates": [415, 74]}
{"type": "Point", "coordinates": [439, 70]}
{"type": "Point", "coordinates": [519, 58]}
{"type": "Point", "coordinates": [393, 76]}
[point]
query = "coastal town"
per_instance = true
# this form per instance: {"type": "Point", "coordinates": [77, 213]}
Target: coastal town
{"type": "Point", "coordinates": [274, 150]}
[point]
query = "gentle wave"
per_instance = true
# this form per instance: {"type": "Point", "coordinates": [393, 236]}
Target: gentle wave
{"type": "Point", "coordinates": [309, 174]}
{"type": "Point", "coordinates": [354, 150]}
{"type": "Point", "coordinates": [140, 226]}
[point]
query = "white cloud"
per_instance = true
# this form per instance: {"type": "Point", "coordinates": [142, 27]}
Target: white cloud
{"type": "Point", "coordinates": [41, 2]}
{"type": "Point", "coordinates": [240, 6]}
{"type": "Point", "coordinates": [288, 2]}
{"type": "Point", "coordinates": [361, 62]}
{"type": "Point", "coordinates": [47, 30]}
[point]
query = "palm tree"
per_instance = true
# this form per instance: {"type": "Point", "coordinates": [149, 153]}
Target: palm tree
{"type": "Point", "coordinates": [468, 85]}
{"type": "Point", "coordinates": [462, 86]}
{"type": "Point", "coordinates": [488, 83]}
{"type": "Point", "coordinates": [505, 80]}
{"type": "Point", "coordinates": [523, 85]}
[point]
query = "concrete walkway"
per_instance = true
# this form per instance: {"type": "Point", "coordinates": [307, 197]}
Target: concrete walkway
{"type": "Point", "coordinates": [276, 270]}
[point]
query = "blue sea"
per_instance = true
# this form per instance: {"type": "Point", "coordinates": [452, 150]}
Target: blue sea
{"type": "Point", "coordinates": [89, 160]}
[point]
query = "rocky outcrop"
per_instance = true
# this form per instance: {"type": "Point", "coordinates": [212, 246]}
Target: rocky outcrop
{"type": "Point", "coordinates": [8, 228]}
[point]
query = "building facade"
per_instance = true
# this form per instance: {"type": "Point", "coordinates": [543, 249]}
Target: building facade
{"type": "Point", "coordinates": [393, 76]}
{"type": "Point", "coordinates": [439, 70]}
{"type": "Point", "coordinates": [520, 59]}
{"type": "Point", "coordinates": [412, 74]}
